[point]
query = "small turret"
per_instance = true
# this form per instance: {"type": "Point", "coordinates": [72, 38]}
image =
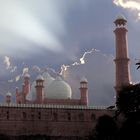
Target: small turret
{"type": "Point", "coordinates": [19, 98]}
{"type": "Point", "coordinates": [17, 94]}
{"type": "Point", "coordinates": [84, 91]}
{"type": "Point", "coordinates": [39, 89]}
{"type": "Point", "coordinates": [25, 87]}
{"type": "Point", "coordinates": [8, 97]}
{"type": "Point", "coordinates": [26, 83]}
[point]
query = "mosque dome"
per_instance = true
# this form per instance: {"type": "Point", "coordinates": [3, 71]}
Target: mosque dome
{"type": "Point", "coordinates": [47, 81]}
{"type": "Point", "coordinates": [47, 77]}
{"type": "Point", "coordinates": [59, 89]}
{"type": "Point", "coordinates": [53, 88]}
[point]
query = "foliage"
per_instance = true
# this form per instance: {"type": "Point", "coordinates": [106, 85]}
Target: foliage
{"type": "Point", "coordinates": [106, 128]}
{"type": "Point", "coordinates": [138, 65]}
{"type": "Point", "coordinates": [128, 100]}
{"type": "Point", "coordinates": [130, 129]}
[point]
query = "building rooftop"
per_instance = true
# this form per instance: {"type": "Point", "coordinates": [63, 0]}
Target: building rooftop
{"type": "Point", "coordinates": [47, 106]}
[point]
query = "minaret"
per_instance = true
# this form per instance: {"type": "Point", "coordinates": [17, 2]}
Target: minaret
{"type": "Point", "coordinates": [17, 95]}
{"type": "Point", "coordinates": [84, 91]}
{"type": "Point", "coordinates": [26, 83]}
{"type": "Point", "coordinates": [8, 97]}
{"type": "Point", "coordinates": [122, 58]}
{"type": "Point", "coordinates": [39, 89]}
{"type": "Point", "coordinates": [25, 87]}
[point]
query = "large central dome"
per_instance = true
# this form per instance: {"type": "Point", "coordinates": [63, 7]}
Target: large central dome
{"type": "Point", "coordinates": [53, 88]}
{"type": "Point", "coordinates": [59, 89]}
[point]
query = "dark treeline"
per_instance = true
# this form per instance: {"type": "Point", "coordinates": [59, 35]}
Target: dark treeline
{"type": "Point", "coordinates": [126, 122]}
{"type": "Point", "coordinates": [109, 129]}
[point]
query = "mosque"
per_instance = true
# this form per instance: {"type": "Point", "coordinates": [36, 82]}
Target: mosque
{"type": "Point", "coordinates": [46, 106]}
{"type": "Point", "coordinates": [47, 90]}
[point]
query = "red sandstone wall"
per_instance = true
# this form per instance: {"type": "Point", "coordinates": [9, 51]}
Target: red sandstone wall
{"type": "Point", "coordinates": [48, 121]}
{"type": "Point", "coordinates": [63, 101]}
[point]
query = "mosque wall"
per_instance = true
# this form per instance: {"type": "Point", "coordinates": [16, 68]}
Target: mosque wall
{"type": "Point", "coordinates": [51, 121]}
{"type": "Point", "coordinates": [63, 101]}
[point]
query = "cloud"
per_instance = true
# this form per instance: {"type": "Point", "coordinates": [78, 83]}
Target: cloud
{"type": "Point", "coordinates": [9, 66]}
{"type": "Point", "coordinates": [17, 78]}
{"type": "Point", "coordinates": [100, 72]}
{"type": "Point", "coordinates": [36, 68]}
{"type": "Point", "coordinates": [7, 62]}
{"type": "Point", "coordinates": [25, 70]}
{"type": "Point", "coordinates": [82, 59]}
{"type": "Point", "coordinates": [98, 68]}
{"type": "Point", "coordinates": [76, 63]}
{"type": "Point", "coordinates": [60, 27]}
{"type": "Point", "coordinates": [76, 26]}
{"type": "Point", "coordinates": [22, 28]}
{"type": "Point", "coordinates": [129, 4]}
{"type": "Point", "coordinates": [13, 69]}
{"type": "Point", "coordinates": [11, 80]}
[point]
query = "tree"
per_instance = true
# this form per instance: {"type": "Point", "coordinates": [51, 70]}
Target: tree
{"type": "Point", "coordinates": [128, 101]}
{"type": "Point", "coordinates": [106, 128]}
{"type": "Point", "coordinates": [130, 129]}
{"type": "Point", "coordinates": [138, 65]}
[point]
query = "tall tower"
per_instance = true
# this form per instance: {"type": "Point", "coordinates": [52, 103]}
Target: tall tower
{"type": "Point", "coordinates": [39, 89]}
{"type": "Point", "coordinates": [122, 58]}
{"type": "Point", "coordinates": [84, 91]}
{"type": "Point", "coordinates": [8, 97]}
{"type": "Point", "coordinates": [26, 83]}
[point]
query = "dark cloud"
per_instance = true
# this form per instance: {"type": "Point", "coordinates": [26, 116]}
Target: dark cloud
{"type": "Point", "coordinates": [100, 73]}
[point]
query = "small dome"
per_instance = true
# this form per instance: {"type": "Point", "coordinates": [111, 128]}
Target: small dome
{"type": "Point", "coordinates": [8, 94]}
{"type": "Point", "coordinates": [120, 17]}
{"type": "Point", "coordinates": [27, 75]}
{"type": "Point", "coordinates": [39, 77]}
{"type": "Point", "coordinates": [84, 79]}
{"type": "Point", "coordinates": [59, 89]}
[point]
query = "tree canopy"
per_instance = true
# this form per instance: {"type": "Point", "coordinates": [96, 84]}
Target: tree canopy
{"type": "Point", "coordinates": [129, 99]}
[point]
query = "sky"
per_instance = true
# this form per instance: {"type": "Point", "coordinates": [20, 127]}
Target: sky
{"type": "Point", "coordinates": [71, 37]}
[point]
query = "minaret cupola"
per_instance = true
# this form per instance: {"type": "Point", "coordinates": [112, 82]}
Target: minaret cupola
{"type": "Point", "coordinates": [120, 21]}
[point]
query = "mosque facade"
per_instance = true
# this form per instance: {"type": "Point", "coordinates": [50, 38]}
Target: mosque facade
{"type": "Point", "coordinates": [46, 106]}
{"type": "Point", "coordinates": [48, 90]}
